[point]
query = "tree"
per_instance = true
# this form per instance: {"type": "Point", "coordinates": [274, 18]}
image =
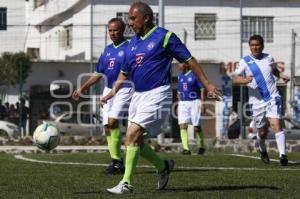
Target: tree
{"type": "Point", "coordinates": [10, 65]}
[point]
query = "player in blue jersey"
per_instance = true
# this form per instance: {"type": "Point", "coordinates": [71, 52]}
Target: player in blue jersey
{"type": "Point", "coordinates": [109, 64]}
{"type": "Point", "coordinates": [264, 99]}
{"type": "Point", "coordinates": [191, 97]}
{"type": "Point", "coordinates": [149, 57]}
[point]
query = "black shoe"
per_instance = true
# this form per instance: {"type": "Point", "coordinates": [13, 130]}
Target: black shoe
{"type": "Point", "coordinates": [201, 151]}
{"type": "Point", "coordinates": [283, 160]}
{"type": "Point", "coordinates": [186, 152]}
{"type": "Point", "coordinates": [264, 157]}
{"type": "Point", "coordinates": [115, 167]}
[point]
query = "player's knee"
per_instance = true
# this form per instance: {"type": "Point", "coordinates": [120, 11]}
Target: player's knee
{"type": "Point", "coordinates": [112, 123]}
{"type": "Point", "coordinates": [183, 126]}
{"type": "Point", "coordinates": [132, 139]}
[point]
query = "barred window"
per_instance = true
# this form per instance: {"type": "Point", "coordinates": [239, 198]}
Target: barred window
{"type": "Point", "coordinates": [3, 18]}
{"type": "Point", "coordinates": [258, 25]}
{"type": "Point", "coordinates": [66, 37]}
{"type": "Point", "coordinates": [205, 26]}
{"type": "Point", "coordinates": [128, 30]}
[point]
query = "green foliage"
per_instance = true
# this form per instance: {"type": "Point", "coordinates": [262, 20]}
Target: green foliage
{"type": "Point", "coordinates": [10, 64]}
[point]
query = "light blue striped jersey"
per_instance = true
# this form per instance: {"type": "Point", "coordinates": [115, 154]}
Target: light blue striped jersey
{"type": "Point", "coordinates": [263, 86]}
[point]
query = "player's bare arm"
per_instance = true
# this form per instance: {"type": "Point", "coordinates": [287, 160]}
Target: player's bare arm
{"type": "Point", "coordinates": [121, 78]}
{"type": "Point", "coordinates": [280, 74]}
{"type": "Point", "coordinates": [91, 81]}
{"type": "Point", "coordinates": [197, 70]}
{"type": "Point", "coordinates": [239, 80]}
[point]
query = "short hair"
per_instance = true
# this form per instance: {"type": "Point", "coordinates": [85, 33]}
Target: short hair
{"type": "Point", "coordinates": [144, 9]}
{"type": "Point", "coordinates": [118, 20]}
{"type": "Point", "coordinates": [258, 38]}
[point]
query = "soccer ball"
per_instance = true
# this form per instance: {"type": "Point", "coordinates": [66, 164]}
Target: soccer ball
{"type": "Point", "coordinates": [46, 136]}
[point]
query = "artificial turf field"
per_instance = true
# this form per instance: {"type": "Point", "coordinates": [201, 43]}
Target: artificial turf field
{"type": "Point", "coordinates": [214, 175]}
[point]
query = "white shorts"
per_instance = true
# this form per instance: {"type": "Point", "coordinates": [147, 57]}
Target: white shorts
{"type": "Point", "coordinates": [116, 107]}
{"type": "Point", "coordinates": [150, 108]}
{"type": "Point", "coordinates": [270, 109]}
{"type": "Point", "coordinates": [189, 112]}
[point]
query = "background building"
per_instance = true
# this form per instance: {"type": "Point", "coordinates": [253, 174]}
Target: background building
{"type": "Point", "coordinates": [63, 32]}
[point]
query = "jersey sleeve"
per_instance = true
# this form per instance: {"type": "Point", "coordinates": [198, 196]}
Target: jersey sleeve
{"type": "Point", "coordinates": [177, 49]}
{"type": "Point", "coordinates": [241, 67]}
{"type": "Point", "coordinates": [125, 69]}
{"type": "Point", "coordinates": [100, 65]}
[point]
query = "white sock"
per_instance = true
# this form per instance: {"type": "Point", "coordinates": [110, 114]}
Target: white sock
{"type": "Point", "coordinates": [280, 140]}
{"type": "Point", "coordinates": [261, 144]}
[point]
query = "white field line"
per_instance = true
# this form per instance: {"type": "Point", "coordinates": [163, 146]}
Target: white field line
{"type": "Point", "coordinates": [255, 157]}
{"type": "Point", "coordinates": [20, 157]}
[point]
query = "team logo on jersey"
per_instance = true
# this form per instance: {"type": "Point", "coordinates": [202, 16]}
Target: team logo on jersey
{"type": "Point", "coordinates": [185, 86]}
{"type": "Point", "coordinates": [111, 63]}
{"type": "Point", "coordinates": [150, 45]}
{"type": "Point", "coordinates": [133, 48]}
{"type": "Point", "coordinates": [251, 62]}
{"type": "Point", "coordinates": [107, 54]}
{"type": "Point", "coordinates": [189, 79]}
{"type": "Point", "coordinates": [181, 80]}
{"type": "Point", "coordinates": [121, 53]}
{"type": "Point", "coordinates": [139, 58]}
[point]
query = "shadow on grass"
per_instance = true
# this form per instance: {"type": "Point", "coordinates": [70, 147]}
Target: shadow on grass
{"type": "Point", "coordinates": [178, 170]}
{"type": "Point", "coordinates": [219, 188]}
{"type": "Point", "coordinates": [88, 192]}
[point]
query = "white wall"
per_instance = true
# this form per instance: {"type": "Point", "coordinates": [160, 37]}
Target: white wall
{"type": "Point", "coordinates": [12, 39]}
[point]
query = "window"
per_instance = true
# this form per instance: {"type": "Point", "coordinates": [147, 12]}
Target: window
{"type": "Point", "coordinates": [33, 53]}
{"type": "Point", "coordinates": [3, 18]}
{"type": "Point", "coordinates": [38, 3]}
{"type": "Point", "coordinates": [66, 37]}
{"type": "Point", "coordinates": [205, 26]}
{"type": "Point", "coordinates": [128, 30]}
{"type": "Point", "coordinates": [257, 25]}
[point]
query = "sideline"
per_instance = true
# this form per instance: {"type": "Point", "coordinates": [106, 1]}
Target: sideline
{"type": "Point", "coordinates": [255, 157]}
{"type": "Point", "coordinates": [21, 157]}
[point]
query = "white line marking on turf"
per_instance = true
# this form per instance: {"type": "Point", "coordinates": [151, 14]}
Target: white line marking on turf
{"type": "Point", "coordinates": [255, 157]}
{"type": "Point", "coordinates": [20, 157]}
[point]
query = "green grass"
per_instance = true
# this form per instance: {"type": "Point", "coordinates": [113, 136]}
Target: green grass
{"type": "Point", "coordinates": [22, 179]}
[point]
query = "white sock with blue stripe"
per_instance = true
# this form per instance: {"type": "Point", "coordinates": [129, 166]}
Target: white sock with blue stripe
{"type": "Point", "coordinates": [280, 140]}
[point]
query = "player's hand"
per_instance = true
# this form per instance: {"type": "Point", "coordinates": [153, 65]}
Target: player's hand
{"type": "Point", "coordinates": [214, 92]}
{"type": "Point", "coordinates": [249, 79]}
{"type": "Point", "coordinates": [104, 99]}
{"type": "Point", "coordinates": [285, 78]}
{"type": "Point", "coordinates": [76, 94]}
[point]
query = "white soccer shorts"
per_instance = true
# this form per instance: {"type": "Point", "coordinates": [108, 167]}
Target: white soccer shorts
{"type": "Point", "coordinates": [149, 109]}
{"type": "Point", "coordinates": [117, 106]}
{"type": "Point", "coordinates": [189, 112]}
{"type": "Point", "coordinates": [270, 109]}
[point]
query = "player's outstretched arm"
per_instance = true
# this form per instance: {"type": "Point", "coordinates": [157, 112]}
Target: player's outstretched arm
{"type": "Point", "coordinates": [121, 78]}
{"type": "Point", "coordinates": [212, 90]}
{"type": "Point", "coordinates": [91, 81]}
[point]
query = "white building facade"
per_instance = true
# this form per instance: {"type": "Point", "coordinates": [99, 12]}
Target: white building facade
{"type": "Point", "coordinates": [12, 25]}
{"type": "Point", "coordinates": [69, 30]}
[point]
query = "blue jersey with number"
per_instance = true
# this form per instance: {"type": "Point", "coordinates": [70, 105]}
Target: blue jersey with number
{"type": "Point", "coordinates": [149, 58]}
{"type": "Point", "coordinates": [189, 87]}
{"type": "Point", "coordinates": [110, 62]}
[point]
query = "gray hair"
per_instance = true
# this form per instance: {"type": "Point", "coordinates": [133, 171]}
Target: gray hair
{"type": "Point", "coordinates": [144, 9]}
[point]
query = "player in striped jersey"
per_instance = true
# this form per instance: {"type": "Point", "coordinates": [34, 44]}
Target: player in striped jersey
{"type": "Point", "coordinates": [264, 99]}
